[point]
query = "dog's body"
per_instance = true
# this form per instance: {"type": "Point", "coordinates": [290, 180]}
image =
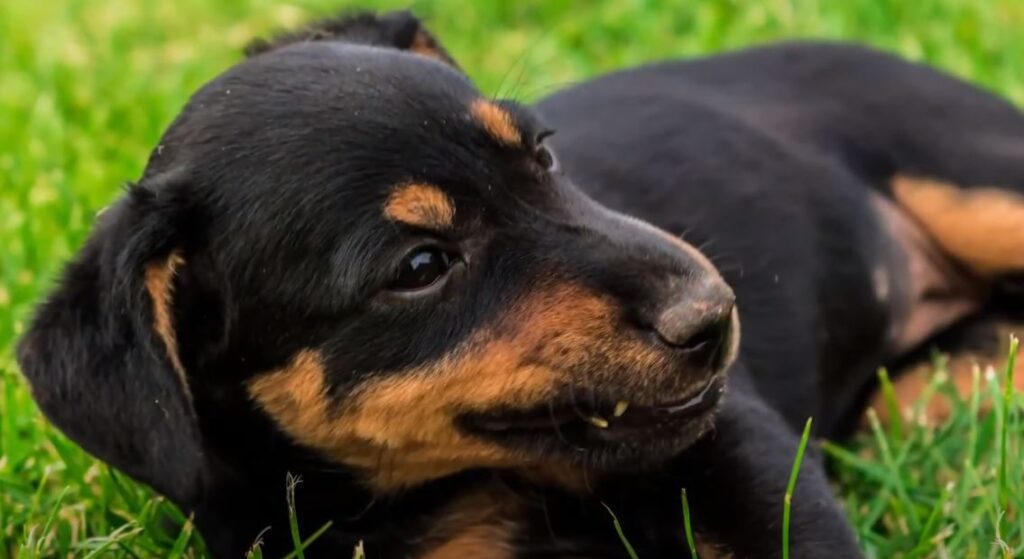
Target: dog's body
{"type": "Point", "coordinates": [783, 163]}
{"type": "Point", "coordinates": [577, 360]}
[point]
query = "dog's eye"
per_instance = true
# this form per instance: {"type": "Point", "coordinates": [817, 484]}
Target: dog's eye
{"type": "Point", "coordinates": [545, 158]}
{"type": "Point", "coordinates": [421, 268]}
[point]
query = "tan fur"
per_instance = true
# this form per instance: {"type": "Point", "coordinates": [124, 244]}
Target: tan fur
{"type": "Point", "coordinates": [475, 527]}
{"type": "Point", "coordinates": [562, 475]}
{"type": "Point", "coordinates": [296, 396]}
{"type": "Point", "coordinates": [160, 285]}
{"type": "Point", "coordinates": [420, 205]}
{"type": "Point", "coordinates": [423, 45]}
{"type": "Point", "coordinates": [497, 122]}
{"type": "Point", "coordinates": [394, 443]}
{"type": "Point", "coordinates": [475, 542]}
{"type": "Point", "coordinates": [399, 427]}
{"type": "Point", "coordinates": [911, 384]}
{"type": "Point", "coordinates": [983, 228]}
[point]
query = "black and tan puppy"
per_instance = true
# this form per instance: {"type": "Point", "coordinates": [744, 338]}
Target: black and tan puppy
{"type": "Point", "coordinates": [466, 332]}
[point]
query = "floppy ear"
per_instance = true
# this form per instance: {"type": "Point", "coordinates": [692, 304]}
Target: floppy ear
{"type": "Point", "coordinates": [399, 30]}
{"type": "Point", "coordinates": [101, 353]}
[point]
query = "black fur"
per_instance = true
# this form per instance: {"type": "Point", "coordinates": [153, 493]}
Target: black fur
{"type": "Point", "coordinates": [271, 183]}
{"type": "Point", "coordinates": [92, 345]}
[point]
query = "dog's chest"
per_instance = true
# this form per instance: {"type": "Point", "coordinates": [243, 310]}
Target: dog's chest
{"type": "Point", "coordinates": [496, 523]}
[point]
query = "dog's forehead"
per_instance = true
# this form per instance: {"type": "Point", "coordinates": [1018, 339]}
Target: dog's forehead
{"type": "Point", "coordinates": [354, 74]}
{"type": "Point", "coordinates": [328, 114]}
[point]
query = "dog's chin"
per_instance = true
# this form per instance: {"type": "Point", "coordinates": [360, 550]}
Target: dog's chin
{"type": "Point", "coordinates": [601, 435]}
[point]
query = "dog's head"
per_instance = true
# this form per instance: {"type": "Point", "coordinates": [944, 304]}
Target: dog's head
{"type": "Point", "coordinates": [342, 238]}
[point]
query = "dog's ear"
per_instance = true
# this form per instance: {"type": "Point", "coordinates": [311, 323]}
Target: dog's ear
{"type": "Point", "coordinates": [101, 353]}
{"type": "Point", "coordinates": [399, 30]}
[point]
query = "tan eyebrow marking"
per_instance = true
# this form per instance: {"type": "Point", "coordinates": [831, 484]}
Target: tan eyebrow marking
{"type": "Point", "coordinates": [497, 122]}
{"type": "Point", "coordinates": [159, 284]}
{"type": "Point", "coordinates": [420, 205]}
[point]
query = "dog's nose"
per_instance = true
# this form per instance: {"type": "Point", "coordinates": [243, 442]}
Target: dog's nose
{"type": "Point", "coordinates": [700, 323]}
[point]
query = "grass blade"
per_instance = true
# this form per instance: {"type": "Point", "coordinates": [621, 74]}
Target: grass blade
{"type": "Point", "coordinates": [892, 404]}
{"type": "Point", "coordinates": [622, 535]}
{"type": "Point", "coordinates": [688, 526]}
{"type": "Point", "coordinates": [896, 478]}
{"type": "Point", "coordinates": [1011, 363]}
{"type": "Point", "coordinates": [293, 520]}
{"type": "Point", "coordinates": [309, 541]}
{"type": "Point", "coordinates": [51, 517]}
{"type": "Point", "coordinates": [793, 474]}
{"type": "Point", "coordinates": [181, 543]}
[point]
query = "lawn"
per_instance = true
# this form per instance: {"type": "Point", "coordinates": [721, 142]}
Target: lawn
{"type": "Point", "coordinates": [86, 86]}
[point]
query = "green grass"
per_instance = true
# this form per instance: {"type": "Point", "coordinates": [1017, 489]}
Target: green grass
{"type": "Point", "coordinates": [948, 491]}
{"type": "Point", "coordinates": [794, 474]}
{"type": "Point", "coordinates": [86, 86]}
{"type": "Point", "coordinates": [691, 541]}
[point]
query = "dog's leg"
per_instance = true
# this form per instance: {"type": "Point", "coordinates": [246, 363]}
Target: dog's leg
{"type": "Point", "coordinates": [950, 154]}
{"type": "Point", "coordinates": [978, 226]}
{"type": "Point", "coordinates": [960, 179]}
{"type": "Point", "coordinates": [956, 155]}
{"type": "Point", "coordinates": [980, 344]}
{"type": "Point", "coordinates": [737, 477]}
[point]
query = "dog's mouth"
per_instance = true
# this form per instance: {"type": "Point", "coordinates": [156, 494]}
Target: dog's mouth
{"type": "Point", "coordinates": [604, 432]}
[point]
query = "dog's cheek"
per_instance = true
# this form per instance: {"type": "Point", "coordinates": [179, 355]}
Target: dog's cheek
{"type": "Point", "coordinates": [410, 416]}
{"type": "Point", "coordinates": [296, 397]}
{"type": "Point", "coordinates": [399, 427]}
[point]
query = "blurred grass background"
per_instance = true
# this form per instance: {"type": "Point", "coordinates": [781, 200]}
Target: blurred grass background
{"type": "Point", "coordinates": [86, 87]}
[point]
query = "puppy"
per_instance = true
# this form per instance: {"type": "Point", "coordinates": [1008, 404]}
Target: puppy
{"type": "Point", "coordinates": [466, 324]}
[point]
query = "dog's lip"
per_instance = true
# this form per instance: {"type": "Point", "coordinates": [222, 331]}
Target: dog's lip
{"type": "Point", "coordinates": [707, 396]}
{"type": "Point", "coordinates": [603, 417]}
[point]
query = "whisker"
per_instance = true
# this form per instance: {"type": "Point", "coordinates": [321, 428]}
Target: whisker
{"type": "Point", "coordinates": [369, 506]}
{"type": "Point", "coordinates": [525, 60]}
{"type": "Point", "coordinates": [519, 60]}
{"type": "Point", "coordinates": [547, 516]}
{"type": "Point", "coordinates": [544, 89]}
{"type": "Point", "coordinates": [554, 422]}
{"type": "Point", "coordinates": [572, 402]}
{"type": "Point", "coordinates": [518, 81]}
